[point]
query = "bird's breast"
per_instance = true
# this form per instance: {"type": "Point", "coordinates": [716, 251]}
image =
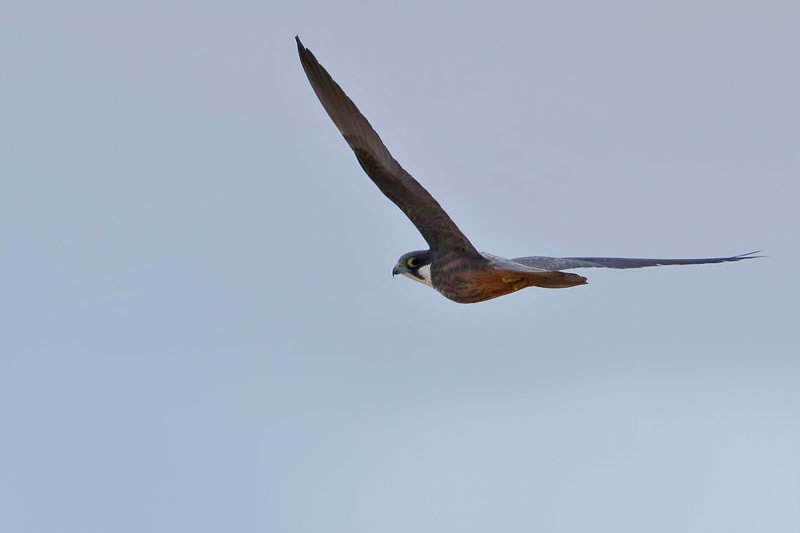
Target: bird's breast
{"type": "Point", "coordinates": [469, 280]}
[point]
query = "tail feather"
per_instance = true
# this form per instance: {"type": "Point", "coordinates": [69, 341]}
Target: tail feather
{"type": "Point", "coordinates": [557, 280]}
{"type": "Point", "coordinates": [546, 279]}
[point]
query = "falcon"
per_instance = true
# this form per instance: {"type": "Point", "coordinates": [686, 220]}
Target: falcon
{"type": "Point", "coordinates": [451, 264]}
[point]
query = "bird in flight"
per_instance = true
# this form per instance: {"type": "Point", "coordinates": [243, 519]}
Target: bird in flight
{"type": "Point", "coordinates": [451, 265]}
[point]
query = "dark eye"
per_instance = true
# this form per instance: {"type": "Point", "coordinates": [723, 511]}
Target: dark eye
{"type": "Point", "coordinates": [413, 262]}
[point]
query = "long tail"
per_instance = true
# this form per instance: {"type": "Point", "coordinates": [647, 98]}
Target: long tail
{"type": "Point", "coordinates": [545, 279]}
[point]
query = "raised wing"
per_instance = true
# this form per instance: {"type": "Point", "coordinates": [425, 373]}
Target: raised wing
{"type": "Point", "coordinates": [567, 263]}
{"type": "Point", "coordinates": [436, 227]}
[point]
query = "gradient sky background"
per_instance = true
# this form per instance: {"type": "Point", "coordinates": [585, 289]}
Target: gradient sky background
{"type": "Point", "coordinates": [199, 330]}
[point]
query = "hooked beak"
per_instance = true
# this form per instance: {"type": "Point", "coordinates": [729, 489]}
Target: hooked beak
{"type": "Point", "coordinates": [395, 270]}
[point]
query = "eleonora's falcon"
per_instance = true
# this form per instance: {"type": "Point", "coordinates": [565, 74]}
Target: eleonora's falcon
{"type": "Point", "coordinates": [451, 265]}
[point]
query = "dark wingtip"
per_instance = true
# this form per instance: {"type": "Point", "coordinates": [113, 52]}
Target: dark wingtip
{"type": "Point", "coordinates": [299, 44]}
{"type": "Point", "coordinates": [749, 255]}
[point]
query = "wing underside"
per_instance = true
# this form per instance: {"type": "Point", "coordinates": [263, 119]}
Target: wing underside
{"type": "Point", "coordinates": [399, 186]}
{"type": "Point", "coordinates": [568, 263]}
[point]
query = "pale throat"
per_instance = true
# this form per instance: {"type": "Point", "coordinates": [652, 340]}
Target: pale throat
{"type": "Point", "coordinates": [425, 272]}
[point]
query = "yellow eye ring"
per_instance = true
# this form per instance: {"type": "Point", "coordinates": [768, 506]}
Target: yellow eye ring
{"type": "Point", "coordinates": [412, 262]}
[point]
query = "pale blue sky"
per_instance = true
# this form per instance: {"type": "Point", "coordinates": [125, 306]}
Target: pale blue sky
{"type": "Point", "coordinates": [200, 331]}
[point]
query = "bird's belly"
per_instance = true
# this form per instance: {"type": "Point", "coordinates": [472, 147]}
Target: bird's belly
{"type": "Point", "coordinates": [471, 286]}
{"type": "Point", "coordinates": [464, 280]}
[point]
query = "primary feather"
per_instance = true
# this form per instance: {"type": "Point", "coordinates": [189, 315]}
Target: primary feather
{"type": "Point", "coordinates": [568, 263]}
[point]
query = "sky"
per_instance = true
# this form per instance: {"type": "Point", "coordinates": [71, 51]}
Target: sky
{"type": "Point", "coordinates": [199, 330]}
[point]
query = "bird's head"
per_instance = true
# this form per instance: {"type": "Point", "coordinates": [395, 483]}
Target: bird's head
{"type": "Point", "coordinates": [415, 265]}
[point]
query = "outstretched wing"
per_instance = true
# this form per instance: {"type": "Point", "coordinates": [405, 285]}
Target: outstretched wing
{"type": "Point", "coordinates": [399, 186]}
{"type": "Point", "coordinates": [567, 263]}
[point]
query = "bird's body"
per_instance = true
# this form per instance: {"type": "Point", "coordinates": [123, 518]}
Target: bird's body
{"type": "Point", "coordinates": [466, 278]}
{"type": "Point", "coordinates": [451, 265]}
